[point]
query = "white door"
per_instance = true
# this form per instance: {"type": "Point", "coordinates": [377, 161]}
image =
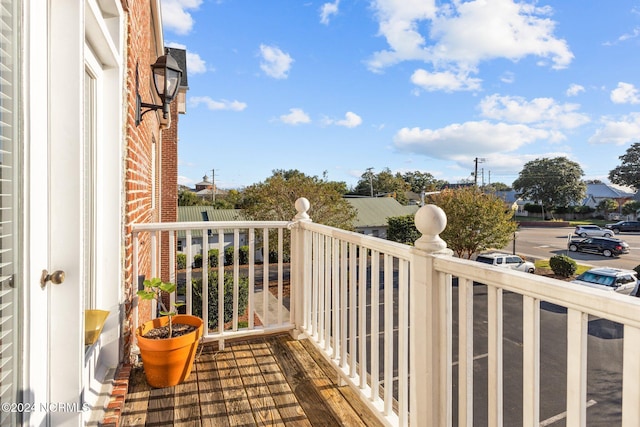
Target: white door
{"type": "Point", "coordinates": [53, 211]}
{"type": "Point", "coordinates": [69, 76]}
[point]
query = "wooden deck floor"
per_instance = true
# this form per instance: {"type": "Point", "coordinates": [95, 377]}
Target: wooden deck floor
{"type": "Point", "coordinates": [264, 381]}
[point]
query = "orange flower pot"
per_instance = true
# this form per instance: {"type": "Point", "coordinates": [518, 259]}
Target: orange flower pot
{"type": "Point", "coordinates": [168, 362]}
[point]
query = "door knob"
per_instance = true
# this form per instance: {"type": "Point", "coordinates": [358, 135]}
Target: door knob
{"type": "Point", "coordinates": [56, 277]}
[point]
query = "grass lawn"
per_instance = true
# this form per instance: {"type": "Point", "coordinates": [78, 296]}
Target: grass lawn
{"type": "Point", "coordinates": [543, 269]}
{"type": "Point", "coordinates": [573, 222]}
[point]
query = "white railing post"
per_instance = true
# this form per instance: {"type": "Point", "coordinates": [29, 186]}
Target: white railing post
{"type": "Point", "coordinates": [430, 325]}
{"type": "Point", "coordinates": [297, 280]}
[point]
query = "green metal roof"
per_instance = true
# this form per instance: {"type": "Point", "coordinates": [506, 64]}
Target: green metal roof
{"type": "Point", "coordinates": [374, 211]}
{"type": "Point", "coordinates": [197, 213]}
{"type": "Point", "coordinates": [207, 213]}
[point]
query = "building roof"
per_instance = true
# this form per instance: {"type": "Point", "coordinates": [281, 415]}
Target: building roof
{"type": "Point", "coordinates": [609, 191]}
{"type": "Point", "coordinates": [374, 211]}
{"type": "Point", "coordinates": [208, 213]}
{"type": "Point", "coordinates": [180, 55]}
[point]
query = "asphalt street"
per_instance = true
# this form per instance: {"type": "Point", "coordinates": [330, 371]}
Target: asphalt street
{"type": "Point", "coordinates": [543, 243]}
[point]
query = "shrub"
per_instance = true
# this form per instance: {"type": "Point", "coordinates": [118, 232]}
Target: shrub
{"type": "Point", "coordinates": [213, 257]}
{"type": "Point", "coordinates": [182, 261]}
{"type": "Point", "coordinates": [563, 265]}
{"type": "Point", "coordinates": [244, 255]}
{"type": "Point", "coordinates": [212, 288]}
{"type": "Point", "coordinates": [197, 261]}
{"type": "Point", "coordinates": [273, 257]}
{"type": "Point", "coordinates": [228, 255]}
{"type": "Point", "coordinates": [533, 208]}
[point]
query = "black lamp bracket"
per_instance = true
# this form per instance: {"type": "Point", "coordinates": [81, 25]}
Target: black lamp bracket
{"type": "Point", "coordinates": [140, 105]}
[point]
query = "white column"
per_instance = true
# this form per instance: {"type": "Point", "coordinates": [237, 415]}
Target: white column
{"type": "Point", "coordinates": [298, 283]}
{"type": "Point", "coordinates": [430, 325]}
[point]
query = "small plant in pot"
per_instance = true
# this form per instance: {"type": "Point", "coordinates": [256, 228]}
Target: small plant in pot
{"type": "Point", "coordinates": [169, 343]}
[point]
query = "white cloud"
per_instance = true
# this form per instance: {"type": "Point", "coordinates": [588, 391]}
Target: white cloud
{"type": "Point", "coordinates": [575, 89]}
{"type": "Point", "coordinates": [175, 16]}
{"type": "Point", "coordinates": [195, 64]}
{"type": "Point", "coordinates": [463, 34]}
{"type": "Point", "coordinates": [275, 63]}
{"type": "Point", "coordinates": [627, 36]}
{"type": "Point", "coordinates": [296, 116]}
{"type": "Point", "coordinates": [618, 132]}
{"type": "Point", "coordinates": [478, 137]}
{"type": "Point", "coordinates": [625, 93]}
{"type": "Point", "coordinates": [183, 180]}
{"type": "Point", "coordinates": [351, 120]}
{"type": "Point", "coordinates": [327, 10]}
{"type": "Point", "coordinates": [508, 77]}
{"type": "Point", "coordinates": [214, 105]}
{"type": "Point", "coordinates": [542, 112]}
{"type": "Point", "coordinates": [446, 81]}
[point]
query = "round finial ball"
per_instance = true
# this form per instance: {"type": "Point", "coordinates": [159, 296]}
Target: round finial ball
{"type": "Point", "coordinates": [302, 205]}
{"type": "Point", "coordinates": [430, 220]}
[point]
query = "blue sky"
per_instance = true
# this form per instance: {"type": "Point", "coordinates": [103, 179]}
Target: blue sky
{"type": "Point", "coordinates": [346, 85]}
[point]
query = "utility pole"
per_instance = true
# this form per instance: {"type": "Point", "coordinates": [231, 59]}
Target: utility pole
{"type": "Point", "coordinates": [475, 173]}
{"type": "Point", "coordinates": [370, 179]}
{"type": "Point", "coordinates": [213, 187]}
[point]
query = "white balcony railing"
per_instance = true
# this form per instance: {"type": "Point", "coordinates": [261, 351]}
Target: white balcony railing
{"type": "Point", "coordinates": [382, 314]}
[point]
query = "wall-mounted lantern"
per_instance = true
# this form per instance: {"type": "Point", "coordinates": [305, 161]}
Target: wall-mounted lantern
{"type": "Point", "coordinates": [166, 79]}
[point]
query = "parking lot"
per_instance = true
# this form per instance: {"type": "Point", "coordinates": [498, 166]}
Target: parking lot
{"type": "Point", "coordinates": [543, 243]}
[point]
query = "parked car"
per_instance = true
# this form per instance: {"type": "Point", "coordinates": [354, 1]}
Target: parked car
{"type": "Point", "coordinates": [610, 279]}
{"type": "Point", "coordinates": [619, 226]}
{"type": "Point", "coordinates": [513, 262]}
{"type": "Point", "coordinates": [592, 230]}
{"type": "Point", "coordinates": [599, 245]}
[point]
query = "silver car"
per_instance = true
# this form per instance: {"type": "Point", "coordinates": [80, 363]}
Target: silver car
{"type": "Point", "coordinates": [610, 279]}
{"type": "Point", "coordinates": [592, 230]}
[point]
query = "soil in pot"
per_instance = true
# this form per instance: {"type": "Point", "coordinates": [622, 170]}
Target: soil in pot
{"type": "Point", "coordinates": [162, 332]}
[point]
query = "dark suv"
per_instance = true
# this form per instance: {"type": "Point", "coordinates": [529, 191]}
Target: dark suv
{"type": "Point", "coordinates": [624, 226]}
{"type": "Point", "coordinates": [599, 245]}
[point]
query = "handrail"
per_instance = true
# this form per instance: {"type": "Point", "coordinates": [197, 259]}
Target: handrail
{"type": "Point", "coordinates": [381, 313]}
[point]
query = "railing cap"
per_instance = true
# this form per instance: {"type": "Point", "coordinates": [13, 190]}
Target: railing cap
{"type": "Point", "coordinates": [302, 207]}
{"type": "Point", "coordinates": [430, 220]}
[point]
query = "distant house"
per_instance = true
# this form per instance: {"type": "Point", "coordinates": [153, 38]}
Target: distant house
{"type": "Point", "coordinates": [206, 189]}
{"type": "Point", "coordinates": [208, 213]}
{"type": "Point", "coordinates": [596, 193]}
{"type": "Point", "coordinates": [373, 214]}
{"type": "Point", "coordinates": [512, 201]}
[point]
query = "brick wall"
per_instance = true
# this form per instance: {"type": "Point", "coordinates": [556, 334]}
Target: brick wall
{"type": "Point", "coordinates": [138, 161]}
{"type": "Point", "coordinates": [169, 185]}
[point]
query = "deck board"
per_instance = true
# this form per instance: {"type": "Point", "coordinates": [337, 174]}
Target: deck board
{"type": "Point", "coordinates": [286, 402]}
{"type": "Point", "coordinates": [262, 404]}
{"type": "Point", "coordinates": [263, 381]}
{"type": "Point", "coordinates": [213, 411]}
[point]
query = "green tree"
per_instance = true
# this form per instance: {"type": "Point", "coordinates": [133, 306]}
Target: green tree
{"type": "Point", "coordinates": [188, 198]}
{"type": "Point", "coordinates": [419, 181]}
{"type": "Point", "coordinates": [497, 186]}
{"type": "Point", "coordinates": [630, 207]}
{"type": "Point", "coordinates": [475, 221]}
{"type": "Point", "coordinates": [628, 173]}
{"type": "Point", "coordinates": [402, 229]}
{"type": "Point", "coordinates": [607, 205]}
{"type": "Point", "coordinates": [384, 183]}
{"type": "Point", "coordinates": [552, 182]}
{"type": "Point", "coordinates": [274, 199]}
{"type": "Point", "coordinates": [233, 198]}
